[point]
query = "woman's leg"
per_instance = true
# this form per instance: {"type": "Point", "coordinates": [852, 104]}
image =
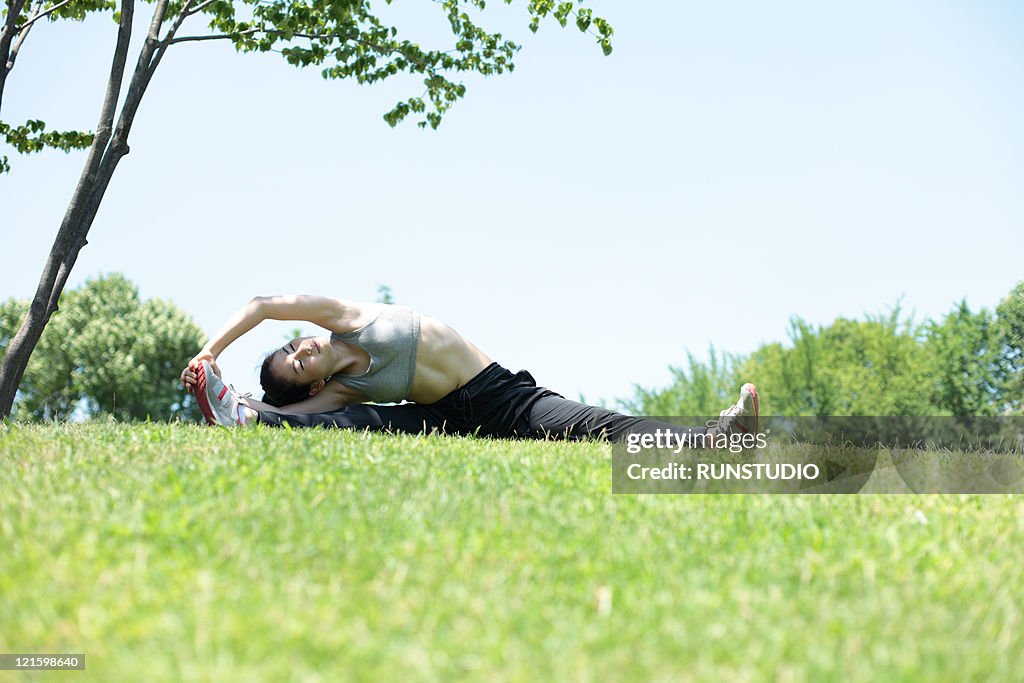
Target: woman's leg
{"type": "Point", "coordinates": [555, 417]}
{"type": "Point", "coordinates": [499, 403]}
{"type": "Point", "coordinates": [408, 418]}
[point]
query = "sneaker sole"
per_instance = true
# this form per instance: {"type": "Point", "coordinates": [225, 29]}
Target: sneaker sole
{"type": "Point", "coordinates": [204, 403]}
{"type": "Point", "coordinates": [753, 392]}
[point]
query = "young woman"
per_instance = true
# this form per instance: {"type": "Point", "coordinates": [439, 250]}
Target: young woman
{"type": "Point", "coordinates": [387, 354]}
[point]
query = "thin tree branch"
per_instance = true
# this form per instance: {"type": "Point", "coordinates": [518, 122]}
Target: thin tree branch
{"type": "Point", "coordinates": [140, 79]}
{"type": "Point", "coordinates": [106, 122]}
{"type": "Point", "coordinates": [198, 8]}
{"type": "Point", "coordinates": [36, 17]}
{"type": "Point", "coordinates": [22, 34]}
{"type": "Point", "coordinates": [118, 147]}
{"type": "Point", "coordinates": [158, 21]}
{"type": "Point", "coordinates": [162, 48]}
{"type": "Point", "coordinates": [310, 36]}
{"type": "Point", "coordinates": [149, 55]}
{"type": "Point", "coordinates": [220, 36]}
{"type": "Point", "coordinates": [7, 32]}
{"type": "Point", "coordinates": [10, 26]}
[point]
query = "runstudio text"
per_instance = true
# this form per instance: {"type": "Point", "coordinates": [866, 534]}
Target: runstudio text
{"type": "Point", "coordinates": [736, 471]}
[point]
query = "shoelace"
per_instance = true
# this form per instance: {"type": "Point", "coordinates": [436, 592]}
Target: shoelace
{"type": "Point", "coordinates": [247, 394]}
{"type": "Point", "coordinates": [238, 402]}
{"type": "Point", "coordinates": [238, 396]}
{"type": "Point", "coordinates": [726, 418]}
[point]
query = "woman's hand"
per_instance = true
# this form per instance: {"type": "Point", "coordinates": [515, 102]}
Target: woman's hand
{"type": "Point", "coordinates": [188, 375]}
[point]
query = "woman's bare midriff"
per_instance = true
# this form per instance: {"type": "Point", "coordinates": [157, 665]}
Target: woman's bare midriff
{"type": "Point", "coordinates": [445, 360]}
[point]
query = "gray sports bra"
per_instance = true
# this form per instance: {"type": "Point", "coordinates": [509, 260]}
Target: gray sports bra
{"type": "Point", "coordinates": [391, 340]}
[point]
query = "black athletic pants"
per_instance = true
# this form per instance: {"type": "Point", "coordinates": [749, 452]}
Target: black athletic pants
{"type": "Point", "coordinates": [494, 403]}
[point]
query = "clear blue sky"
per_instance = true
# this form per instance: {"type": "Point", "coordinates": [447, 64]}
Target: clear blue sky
{"type": "Point", "coordinates": [588, 218]}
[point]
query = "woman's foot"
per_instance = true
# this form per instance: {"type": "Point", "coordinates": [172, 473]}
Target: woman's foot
{"type": "Point", "coordinates": [217, 401]}
{"type": "Point", "coordinates": [740, 418]}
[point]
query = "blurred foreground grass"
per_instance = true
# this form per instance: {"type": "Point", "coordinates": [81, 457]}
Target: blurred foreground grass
{"type": "Point", "coordinates": [182, 553]}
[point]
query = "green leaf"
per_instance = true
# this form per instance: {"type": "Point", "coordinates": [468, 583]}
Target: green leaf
{"type": "Point", "coordinates": [583, 20]}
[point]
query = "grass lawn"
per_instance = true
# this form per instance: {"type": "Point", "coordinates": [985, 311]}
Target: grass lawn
{"type": "Point", "coordinates": [183, 553]}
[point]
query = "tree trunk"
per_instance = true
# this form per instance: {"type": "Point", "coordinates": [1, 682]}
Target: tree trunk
{"type": "Point", "coordinates": [7, 32]}
{"type": "Point", "coordinates": [74, 228]}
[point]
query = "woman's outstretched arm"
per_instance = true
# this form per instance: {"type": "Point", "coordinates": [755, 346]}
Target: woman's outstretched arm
{"type": "Point", "coordinates": [329, 313]}
{"type": "Point", "coordinates": [333, 314]}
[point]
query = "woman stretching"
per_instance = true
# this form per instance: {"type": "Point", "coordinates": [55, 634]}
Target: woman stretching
{"type": "Point", "coordinates": [387, 354]}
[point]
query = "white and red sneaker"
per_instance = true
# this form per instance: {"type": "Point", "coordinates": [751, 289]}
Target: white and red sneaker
{"type": "Point", "coordinates": [218, 403]}
{"type": "Point", "coordinates": [740, 418]}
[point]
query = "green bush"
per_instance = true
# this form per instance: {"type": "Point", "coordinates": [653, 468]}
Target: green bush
{"type": "Point", "coordinates": [966, 364]}
{"type": "Point", "coordinates": [1010, 330]}
{"type": "Point", "coordinates": [106, 352]}
{"type": "Point", "coordinates": [699, 389]}
{"type": "Point", "coordinates": [851, 367]}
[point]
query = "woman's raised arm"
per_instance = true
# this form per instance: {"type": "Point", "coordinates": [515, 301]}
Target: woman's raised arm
{"type": "Point", "coordinates": [330, 313]}
{"type": "Point", "coordinates": [325, 311]}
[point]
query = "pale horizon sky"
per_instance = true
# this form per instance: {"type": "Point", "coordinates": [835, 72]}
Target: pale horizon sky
{"type": "Point", "coordinates": [590, 219]}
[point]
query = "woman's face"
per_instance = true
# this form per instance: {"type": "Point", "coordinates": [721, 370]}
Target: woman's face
{"type": "Point", "coordinates": [304, 360]}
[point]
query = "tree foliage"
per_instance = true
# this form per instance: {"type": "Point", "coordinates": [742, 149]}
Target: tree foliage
{"type": "Point", "coordinates": [348, 39]}
{"type": "Point", "coordinates": [32, 136]}
{"type": "Point", "coordinates": [966, 364]}
{"type": "Point", "coordinates": [1010, 331]}
{"type": "Point", "coordinates": [384, 295]}
{"type": "Point", "coordinates": [106, 352]}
